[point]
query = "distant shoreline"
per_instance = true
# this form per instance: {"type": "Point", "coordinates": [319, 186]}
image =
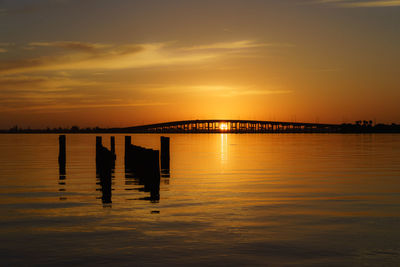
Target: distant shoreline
{"type": "Point", "coordinates": [215, 132]}
{"type": "Point", "coordinates": [222, 126]}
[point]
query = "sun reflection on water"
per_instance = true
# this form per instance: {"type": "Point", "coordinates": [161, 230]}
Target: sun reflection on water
{"type": "Point", "coordinates": [224, 148]}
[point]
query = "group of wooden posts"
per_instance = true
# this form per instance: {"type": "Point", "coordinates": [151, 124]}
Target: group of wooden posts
{"type": "Point", "coordinates": [143, 163]}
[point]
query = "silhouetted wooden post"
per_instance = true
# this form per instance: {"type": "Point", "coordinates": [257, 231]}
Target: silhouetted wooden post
{"type": "Point", "coordinates": [154, 183]}
{"type": "Point", "coordinates": [104, 165]}
{"type": "Point", "coordinates": [98, 147]}
{"type": "Point", "coordinates": [127, 145]}
{"type": "Point", "coordinates": [165, 153]}
{"type": "Point", "coordinates": [155, 156]}
{"type": "Point", "coordinates": [98, 143]}
{"type": "Point", "coordinates": [62, 155]}
{"type": "Point", "coordinates": [113, 145]}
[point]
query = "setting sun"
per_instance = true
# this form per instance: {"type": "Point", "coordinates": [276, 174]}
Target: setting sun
{"type": "Point", "coordinates": [223, 127]}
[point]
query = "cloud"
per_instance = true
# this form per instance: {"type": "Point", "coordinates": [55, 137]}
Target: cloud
{"type": "Point", "coordinates": [219, 90]}
{"type": "Point", "coordinates": [227, 91]}
{"type": "Point", "coordinates": [98, 57]}
{"type": "Point", "coordinates": [40, 107]}
{"type": "Point", "coordinates": [244, 44]}
{"type": "Point", "coordinates": [43, 88]}
{"type": "Point", "coordinates": [2, 45]}
{"type": "Point", "coordinates": [41, 92]}
{"type": "Point", "coordinates": [78, 46]}
{"type": "Point", "coordinates": [61, 93]}
{"type": "Point", "coordinates": [53, 81]}
{"type": "Point", "coordinates": [362, 3]}
{"type": "Point", "coordinates": [41, 83]}
{"type": "Point", "coordinates": [85, 56]}
{"type": "Point", "coordinates": [389, 3]}
{"type": "Point", "coordinates": [258, 92]}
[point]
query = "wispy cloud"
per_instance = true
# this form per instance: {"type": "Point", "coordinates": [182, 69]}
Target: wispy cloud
{"type": "Point", "coordinates": [95, 56]}
{"type": "Point", "coordinates": [61, 93]}
{"type": "Point", "coordinates": [78, 46]}
{"type": "Point", "coordinates": [41, 83]}
{"type": "Point", "coordinates": [243, 44]}
{"type": "Point", "coordinates": [53, 82]}
{"type": "Point", "coordinates": [220, 90]}
{"type": "Point", "coordinates": [362, 3]}
{"type": "Point", "coordinates": [41, 106]}
{"type": "Point", "coordinates": [2, 45]}
{"type": "Point", "coordinates": [237, 90]}
{"type": "Point", "coordinates": [84, 56]}
{"type": "Point", "coordinates": [257, 92]}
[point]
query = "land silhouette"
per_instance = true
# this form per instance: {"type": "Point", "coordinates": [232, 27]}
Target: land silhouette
{"type": "Point", "coordinates": [227, 126]}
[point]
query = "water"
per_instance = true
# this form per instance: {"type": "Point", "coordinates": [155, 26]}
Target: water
{"type": "Point", "coordinates": [280, 200]}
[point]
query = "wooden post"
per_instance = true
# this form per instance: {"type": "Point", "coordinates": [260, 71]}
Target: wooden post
{"type": "Point", "coordinates": [62, 155]}
{"type": "Point", "coordinates": [113, 145]}
{"type": "Point", "coordinates": [155, 155]}
{"type": "Point", "coordinates": [104, 166]}
{"type": "Point", "coordinates": [128, 142]}
{"type": "Point", "coordinates": [155, 181]}
{"type": "Point", "coordinates": [62, 151]}
{"type": "Point", "coordinates": [165, 158]}
{"type": "Point", "coordinates": [98, 143]}
{"type": "Point", "coordinates": [98, 147]}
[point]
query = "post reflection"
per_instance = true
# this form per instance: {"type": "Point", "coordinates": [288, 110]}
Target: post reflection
{"type": "Point", "coordinates": [62, 179]}
{"type": "Point", "coordinates": [165, 175]}
{"type": "Point", "coordinates": [139, 180]}
{"type": "Point", "coordinates": [142, 184]}
{"type": "Point", "coordinates": [143, 165]}
{"type": "Point", "coordinates": [104, 179]}
{"type": "Point", "coordinates": [105, 168]}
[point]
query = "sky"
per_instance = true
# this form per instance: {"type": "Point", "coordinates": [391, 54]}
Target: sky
{"type": "Point", "coordinates": [122, 63]}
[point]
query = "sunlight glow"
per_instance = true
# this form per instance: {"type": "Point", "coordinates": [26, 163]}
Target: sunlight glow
{"type": "Point", "coordinates": [223, 126]}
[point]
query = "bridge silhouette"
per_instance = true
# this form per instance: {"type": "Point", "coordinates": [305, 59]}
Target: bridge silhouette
{"type": "Point", "coordinates": [232, 126]}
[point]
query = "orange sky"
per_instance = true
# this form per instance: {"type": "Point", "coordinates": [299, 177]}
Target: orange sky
{"type": "Point", "coordinates": [123, 63]}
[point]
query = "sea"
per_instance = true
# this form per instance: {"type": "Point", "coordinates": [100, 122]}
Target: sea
{"type": "Point", "coordinates": [227, 200]}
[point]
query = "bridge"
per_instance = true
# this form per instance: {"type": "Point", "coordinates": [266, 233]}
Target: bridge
{"type": "Point", "coordinates": [232, 126]}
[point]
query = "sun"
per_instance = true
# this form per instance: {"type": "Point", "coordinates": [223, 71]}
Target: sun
{"type": "Point", "coordinates": [223, 126]}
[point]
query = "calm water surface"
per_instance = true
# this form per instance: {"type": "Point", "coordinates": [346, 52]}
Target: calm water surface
{"type": "Point", "coordinates": [272, 199]}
